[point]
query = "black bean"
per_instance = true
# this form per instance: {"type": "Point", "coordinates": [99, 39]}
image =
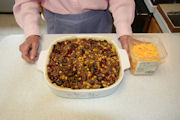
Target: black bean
{"type": "Point", "coordinates": [92, 82]}
{"type": "Point", "coordinates": [82, 51]}
{"type": "Point", "coordinates": [64, 60]}
{"type": "Point", "coordinates": [59, 43]}
{"type": "Point", "coordinates": [59, 82]}
{"type": "Point", "coordinates": [73, 45]}
{"type": "Point", "coordinates": [102, 86]}
{"type": "Point", "coordinates": [86, 46]}
{"type": "Point", "coordinates": [100, 78]}
{"type": "Point", "coordinates": [100, 47]}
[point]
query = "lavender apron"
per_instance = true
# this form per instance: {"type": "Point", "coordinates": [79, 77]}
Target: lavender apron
{"type": "Point", "coordinates": [94, 21]}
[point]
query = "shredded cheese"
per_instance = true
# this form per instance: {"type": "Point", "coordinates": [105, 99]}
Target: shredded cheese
{"type": "Point", "coordinates": [145, 50]}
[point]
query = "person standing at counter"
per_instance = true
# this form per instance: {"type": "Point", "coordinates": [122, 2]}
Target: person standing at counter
{"type": "Point", "coordinates": [72, 16]}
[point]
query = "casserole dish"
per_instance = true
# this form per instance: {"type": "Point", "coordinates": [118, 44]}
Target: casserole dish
{"type": "Point", "coordinates": [83, 93]}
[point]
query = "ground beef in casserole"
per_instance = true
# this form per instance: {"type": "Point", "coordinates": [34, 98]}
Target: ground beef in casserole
{"type": "Point", "coordinates": [83, 64]}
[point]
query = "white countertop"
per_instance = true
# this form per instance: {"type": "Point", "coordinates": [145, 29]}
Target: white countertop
{"type": "Point", "coordinates": [24, 94]}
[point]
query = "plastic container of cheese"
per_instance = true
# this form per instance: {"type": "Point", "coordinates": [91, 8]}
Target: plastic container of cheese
{"type": "Point", "coordinates": [146, 53]}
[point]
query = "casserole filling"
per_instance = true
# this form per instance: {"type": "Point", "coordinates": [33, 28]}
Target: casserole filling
{"type": "Point", "coordinates": [83, 63]}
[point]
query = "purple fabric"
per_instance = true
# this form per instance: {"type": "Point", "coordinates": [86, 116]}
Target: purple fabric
{"type": "Point", "coordinates": [95, 21]}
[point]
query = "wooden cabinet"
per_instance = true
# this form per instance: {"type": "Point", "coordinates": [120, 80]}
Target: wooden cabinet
{"type": "Point", "coordinates": [154, 27]}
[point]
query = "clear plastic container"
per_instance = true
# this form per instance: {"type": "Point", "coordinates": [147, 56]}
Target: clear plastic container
{"type": "Point", "coordinates": [146, 65]}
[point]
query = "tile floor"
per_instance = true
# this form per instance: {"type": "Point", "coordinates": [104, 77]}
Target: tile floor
{"type": "Point", "coordinates": [9, 26]}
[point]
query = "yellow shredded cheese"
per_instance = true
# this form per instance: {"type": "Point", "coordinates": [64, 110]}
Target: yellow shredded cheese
{"type": "Point", "coordinates": [145, 50]}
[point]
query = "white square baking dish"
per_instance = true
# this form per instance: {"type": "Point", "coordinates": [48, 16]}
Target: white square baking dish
{"type": "Point", "coordinates": [83, 93]}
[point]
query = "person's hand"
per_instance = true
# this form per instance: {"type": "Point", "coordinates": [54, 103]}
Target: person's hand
{"type": "Point", "coordinates": [124, 42]}
{"type": "Point", "coordinates": [29, 48]}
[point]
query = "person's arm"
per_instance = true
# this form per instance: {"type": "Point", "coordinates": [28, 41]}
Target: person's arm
{"type": "Point", "coordinates": [27, 15]}
{"type": "Point", "coordinates": [123, 13]}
